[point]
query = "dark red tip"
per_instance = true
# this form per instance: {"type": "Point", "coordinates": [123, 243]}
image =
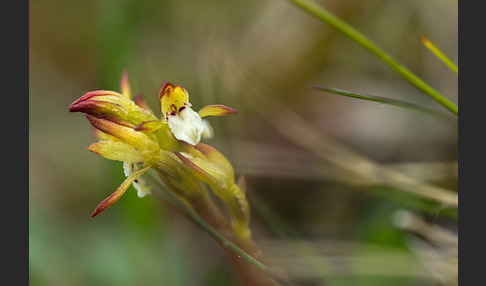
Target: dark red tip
{"type": "Point", "coordinates": [164, 87]}
{"type": "Point", "coordinates": [87, 103]}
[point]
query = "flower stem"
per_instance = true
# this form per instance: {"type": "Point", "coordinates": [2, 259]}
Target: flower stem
{"type": "Point", "coordinates": [242, 254]}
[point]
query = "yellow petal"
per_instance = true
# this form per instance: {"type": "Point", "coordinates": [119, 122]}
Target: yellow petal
{"type": "Point", "coordinates": [195, 169]}
{"type": "Point", "coordinates": [149, 126]}
{"type": "Point", "coordinates": [126, 134]}
{"type": "Point", "coordinates": [216, 158]}
{"type": "Point", "coordinates": [119, 151]}
{"type": "Point", "coordinates": [216, 110]}
{"type": "Point", "coordinates": [173, 98]}
{"type": "Point", "coordinates": [103, 136]}
{"type": "Point", "coordinates": [116, 195]}
{"type": "Point", "coordinates": [208, 164]}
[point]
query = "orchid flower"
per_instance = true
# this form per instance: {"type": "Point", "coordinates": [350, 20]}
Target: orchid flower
{"type": "Point", "coordinates": [186, 124]}
{"type": "Point", "coordinates": [131, 133]}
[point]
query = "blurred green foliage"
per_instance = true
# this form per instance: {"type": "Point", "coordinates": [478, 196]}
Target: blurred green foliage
{"type": "Point", "coordinates": [79, 46]}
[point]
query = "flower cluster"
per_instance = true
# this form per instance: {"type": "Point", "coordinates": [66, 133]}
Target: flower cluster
{"type": "Point", "coordinates": [130, 132]}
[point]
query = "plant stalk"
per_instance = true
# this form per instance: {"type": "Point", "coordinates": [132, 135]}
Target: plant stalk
{"type": "Point", "coordinates": [242, 254]}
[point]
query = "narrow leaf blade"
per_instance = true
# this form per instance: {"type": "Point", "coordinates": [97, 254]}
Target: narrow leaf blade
{"type": "Point", "coordinates": [379, 99]}
{"type": "Point", "coordinates": [439, 54]}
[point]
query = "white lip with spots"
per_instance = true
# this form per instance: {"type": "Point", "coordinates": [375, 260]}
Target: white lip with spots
{"type": "Point", "coordinates": [186, 126]}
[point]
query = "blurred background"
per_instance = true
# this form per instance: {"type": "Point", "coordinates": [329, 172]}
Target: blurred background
{"type": "Point", "coordinates": [316, 217]}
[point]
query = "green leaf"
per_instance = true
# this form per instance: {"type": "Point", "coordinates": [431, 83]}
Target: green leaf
{"type": "Point", "coordinates": [379, 99]}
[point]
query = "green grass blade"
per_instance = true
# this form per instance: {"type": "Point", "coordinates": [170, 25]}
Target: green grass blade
{"type": "Point", "coordinates": [345, 29]}
{"type": "Point", "coordinates": [439, 54]}
{"type": "Point", "coordinates": [379, 99]}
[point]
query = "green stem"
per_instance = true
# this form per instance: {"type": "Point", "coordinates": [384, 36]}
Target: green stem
{"type": "Point", "coordinates": [229, 247]}
{"type": "Point", "coordinates": [439, 54]}
{"type": "Point", "coordinates": [362, 40]}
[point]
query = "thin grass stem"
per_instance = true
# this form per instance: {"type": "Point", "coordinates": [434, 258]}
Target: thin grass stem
{"type": "Point", "coordinates": [379, 99]}
{"type": "Point", "coordinates": [439, 54]}
{"type": "Point", "coordinates": [345, 29]}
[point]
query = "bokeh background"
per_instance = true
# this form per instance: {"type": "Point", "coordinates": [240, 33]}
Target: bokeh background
{"type": "Point", "coordinates": [314, 222]}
